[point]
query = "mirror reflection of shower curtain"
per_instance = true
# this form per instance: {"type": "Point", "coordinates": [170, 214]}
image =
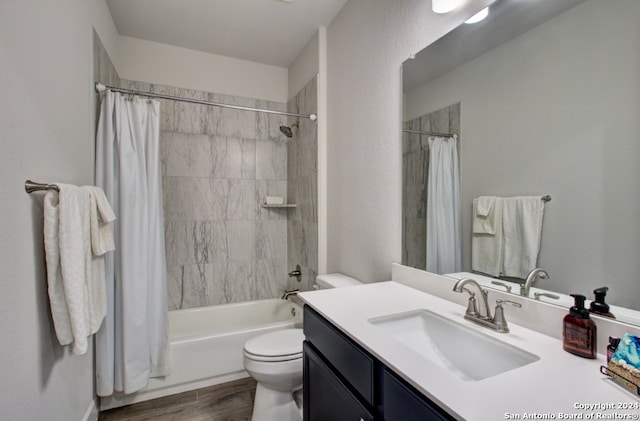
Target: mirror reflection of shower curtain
{"type": "Point", "coordinates": [444, 247]}
{"type": "Point", "coordinates": [132, 344]}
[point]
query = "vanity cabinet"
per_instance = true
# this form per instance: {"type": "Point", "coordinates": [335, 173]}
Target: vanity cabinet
{"type": "Point", "coordinates": [326, 396]}
{"type": "Point", "coordinates": [402, 402]}
{"type": "Point", "coordinates": [342, 381]}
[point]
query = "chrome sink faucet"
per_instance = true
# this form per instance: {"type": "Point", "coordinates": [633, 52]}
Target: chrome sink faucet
{"type": "Point", "coordinates": [496, 322]}
{"type": "Point", "coordinates": [472, 308]}
{"type": "Point", "coordinates": [531, 277]}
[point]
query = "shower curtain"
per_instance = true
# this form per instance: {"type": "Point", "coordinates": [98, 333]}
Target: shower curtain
{"type": "Point", "coordinates": [132, 344]}
{"type": "Point", "coordinates": [444, 249]}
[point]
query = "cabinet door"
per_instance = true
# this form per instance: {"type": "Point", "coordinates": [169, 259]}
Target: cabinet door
{"type": "Point", "coordinates": [354, 365]}
{"type": "Point", "coordinates": [326, 398]}
{"type": "Point", "coordinates": [402, 403]}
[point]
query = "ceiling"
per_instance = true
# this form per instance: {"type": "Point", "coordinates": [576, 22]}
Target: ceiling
{"type": "Point", "coordinates": [264, 31]}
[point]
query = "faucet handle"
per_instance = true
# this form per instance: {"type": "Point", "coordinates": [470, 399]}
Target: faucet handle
{"type": "Point", "coordinates": [513, 303]}
{"type": "Point", "coordinates": [498, 318]}
{"type": "Point", "coordinates": [537, 295]}
{"type": "Point", "coordinates": [502, 284]}
{"type": "Point", "coordinates": [472, 305]}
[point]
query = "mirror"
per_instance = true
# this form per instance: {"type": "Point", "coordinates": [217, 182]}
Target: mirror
{"type": "Point", "coordinates": [544, 101]}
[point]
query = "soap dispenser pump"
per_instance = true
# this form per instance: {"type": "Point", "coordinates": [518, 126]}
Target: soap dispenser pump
{"type": "Point", "coordinates": [598, 306]}
{"type": "Point", "coordinates": [579, 331]}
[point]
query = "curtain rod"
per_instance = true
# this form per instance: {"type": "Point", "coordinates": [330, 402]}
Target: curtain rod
{"type": "Point", "coordinates": [101, 88]}
{"type": "Point", "coordinates": [428, 133]}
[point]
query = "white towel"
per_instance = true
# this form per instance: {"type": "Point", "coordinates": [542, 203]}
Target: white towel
{"type": "Point", "coordinates": [100, 215]}
{"type": "Point", "coordinates": [57, 300]}
{"type": "Point", "coordinates": [487, 245]}
{"type": "Point", "coordinates": [522, 226]}
{"type": "Point", "coordinates": [68, 257]}
{"type": "Point", "coordinates": [485, 214]}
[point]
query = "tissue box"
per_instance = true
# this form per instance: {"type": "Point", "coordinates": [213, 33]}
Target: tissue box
{"type": "Point", "coordinates": [273, 200]}
{"type": "Point", "coordinates": [625, 362]}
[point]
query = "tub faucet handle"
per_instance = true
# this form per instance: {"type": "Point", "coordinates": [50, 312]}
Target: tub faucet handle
{"type": "Point", "coordinates": [297, 273]}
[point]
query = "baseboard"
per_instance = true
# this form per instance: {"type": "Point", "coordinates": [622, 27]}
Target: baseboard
{"type": "Point", "coordinates": [120, 399]}
{"type": "Point", "coordinates": [91, 414]}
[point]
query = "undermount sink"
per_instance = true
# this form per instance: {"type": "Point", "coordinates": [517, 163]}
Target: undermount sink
{"type": "Point", "coordinates": [467, 353]}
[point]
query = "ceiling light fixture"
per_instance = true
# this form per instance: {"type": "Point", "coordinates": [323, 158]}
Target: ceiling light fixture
{"type": "Point", "coordinates": [443, 6]}
{"type": "Point", "coordinates": [478, 16]}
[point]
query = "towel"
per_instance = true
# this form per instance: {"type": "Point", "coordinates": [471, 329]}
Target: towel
{"type": "Point", "coordinates": [485, 214]}
{"type": "Point", "coordinates": [68, 258]}
{"type": "Point", "coordinates": [58, 303]}
{"type": "Point", "coordinates": [522, 230]}
{"type": "Point", "coordinates": [487, 244]}
{"type": "Point", "coordinates": [100, 217]}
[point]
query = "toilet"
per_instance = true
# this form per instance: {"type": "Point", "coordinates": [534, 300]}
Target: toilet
{"type": "Point", "coordinates": [335, 280]}
{"type": "Point", "coordinates": [274, 360]}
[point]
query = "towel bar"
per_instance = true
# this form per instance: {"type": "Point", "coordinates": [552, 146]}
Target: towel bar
{"type": "Point", "coordinates": [31, 186]}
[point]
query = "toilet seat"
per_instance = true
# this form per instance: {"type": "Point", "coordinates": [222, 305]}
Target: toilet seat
{"type": "Point", "coordinates": [280, 345]}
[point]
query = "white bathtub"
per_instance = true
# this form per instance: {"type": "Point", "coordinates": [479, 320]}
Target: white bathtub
{"type": "Point", "coordinates": [206, 345]}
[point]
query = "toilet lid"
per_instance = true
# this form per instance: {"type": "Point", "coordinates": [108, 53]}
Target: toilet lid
{"type": "Point", "coordinates": [279, 345]}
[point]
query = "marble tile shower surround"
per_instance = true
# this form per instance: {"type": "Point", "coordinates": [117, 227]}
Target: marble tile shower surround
{"type": "Point", "coordinates": [218, 165]}
{"type": "Point", "coordinates": [103, 69]}
{"type": "Point", "coordinates": [415, 166]}
{"type": "Point", "coordinates": [302, 188]}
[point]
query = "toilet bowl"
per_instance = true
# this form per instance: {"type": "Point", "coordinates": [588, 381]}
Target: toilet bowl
{"type": "Point", "coordinates": [274, 360]}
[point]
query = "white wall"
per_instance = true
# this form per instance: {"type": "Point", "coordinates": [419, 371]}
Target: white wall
{"type": "Point", "coordinates": [555, 111]}
{"type": "Point", "coordinates": [305, 66]}
{"type": "Point", "coordinates": [47, 135]}
{"type": "Point", "coordinates": [367, 43]}
{"type": "Point", "coordinates": [183, 68]}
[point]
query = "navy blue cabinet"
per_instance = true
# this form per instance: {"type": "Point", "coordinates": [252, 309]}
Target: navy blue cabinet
{"type": "Point", "coordinates": [402, 402]}
{"type": "Point", "coordinates": [343, 382]}
{"type": "Point", "coordinates": [326, 397]}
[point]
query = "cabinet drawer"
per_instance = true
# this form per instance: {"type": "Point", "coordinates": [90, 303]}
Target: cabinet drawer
{"type": "Point", "coordinates": [349, 360]}
{"type": "Point", "coordinates": [402, 403]}
{"type": "Point", "coordinates": [325, 397]}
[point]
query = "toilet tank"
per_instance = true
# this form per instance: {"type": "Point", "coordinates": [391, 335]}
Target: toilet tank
{"type": "Point", "coordinates": [335, 280]}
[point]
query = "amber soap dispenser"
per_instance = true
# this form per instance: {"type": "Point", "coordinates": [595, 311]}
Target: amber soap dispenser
{"type": "Point", "coordinates": [579, 331]}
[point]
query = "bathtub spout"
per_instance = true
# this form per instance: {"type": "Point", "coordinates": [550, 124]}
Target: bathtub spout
{"type": "Point", "coordinates": [289, 293]}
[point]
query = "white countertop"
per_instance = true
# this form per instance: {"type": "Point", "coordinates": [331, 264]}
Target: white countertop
{"type": "Point", "coordinates": [558, 383]}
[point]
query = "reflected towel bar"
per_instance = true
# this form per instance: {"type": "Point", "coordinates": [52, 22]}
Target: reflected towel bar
{"type": "Point", "coordinates": [31, 186]}
{"type": "Point", "coordinates": [420, 132]}
{"type": "Point", "coordinates": [546, 198]}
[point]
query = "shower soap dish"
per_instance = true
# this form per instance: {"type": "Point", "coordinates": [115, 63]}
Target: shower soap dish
{"type": "Point", "coordinates": [273, 200]}
{"type": "Point", "coordinates": [624, 366]}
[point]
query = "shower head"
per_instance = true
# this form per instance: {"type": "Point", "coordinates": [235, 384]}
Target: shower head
{"type": "Point", "coordinates": [288, 131]}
